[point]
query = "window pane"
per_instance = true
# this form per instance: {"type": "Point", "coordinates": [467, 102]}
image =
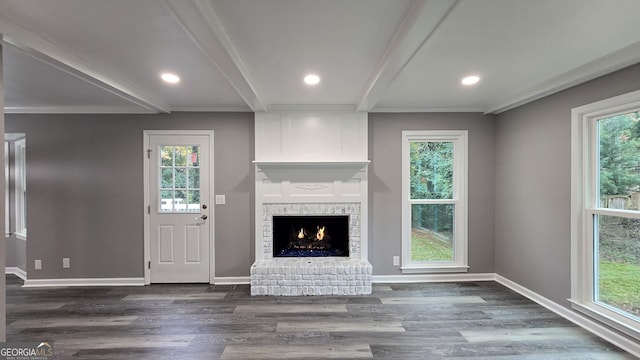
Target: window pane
{"type": "Point", "coordinates": [194, 178]}
{"type": "Point", "coordinates": [431, 170]}
{"type": "Point", "coordinates": [193, 199]}
{"type": "Point", "coordinates": [180, 200]}
{"type": "Point", "coordinates": [181, 155]}
{"type": "Point", "coordinates": [167, 178]}
{"type": "Point", "coordinates": [166, 155]}
{"type": "Point", "coordinates": [619, 161]}
{"type": "Point", "coordinates": [181, 178]}
{"type": "Point", "coordinates": [166, 200]}
{"type": "Point", "coordinates": [194, 156]}
{"type": "Point", "coordinates": [618, 263]}
{"type": "Point", "coordinates": [432, 232]}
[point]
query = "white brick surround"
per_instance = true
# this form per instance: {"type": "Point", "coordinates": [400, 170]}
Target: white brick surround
{"type": "Point", "coordinates": [326, 174]}
{"type": "Point", "coordinates": [350, 209]}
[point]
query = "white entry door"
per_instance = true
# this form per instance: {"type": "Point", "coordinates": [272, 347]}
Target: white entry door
{"type": "Point", "coordinates": [179, 214]}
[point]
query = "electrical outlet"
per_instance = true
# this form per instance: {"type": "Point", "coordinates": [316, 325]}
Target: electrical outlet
{"type": "Point", "coordinates": [38, 265]}
{"type": "Point", "coordinates": [221, 199]}
{"type": "Point", "coordinates": [66, 263]}
{"type": "Point", "coordinates": [396, 260]}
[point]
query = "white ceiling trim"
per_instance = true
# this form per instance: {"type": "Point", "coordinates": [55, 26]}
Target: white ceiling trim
{"type": "Point", "coordinates": [426, 110]}
{"type": "Point", "coordinates": [48, 53]}
{"type": "Point", "coordinates": [421, 21]}
{"type": "Point", "coordinates": [212, 109]}
{"type": "Point", "coordinates": [620, 59]}
{"type": "Point", "coordinates": [200, 21]}
{"type": "Point", "coordinates": [307, 107]}
{"type": "Point", "coordinates": [76, 110]}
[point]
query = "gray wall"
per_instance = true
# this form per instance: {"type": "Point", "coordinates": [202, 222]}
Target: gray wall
{"type": "Point", "coordinates": [533, 182]}
{"type": "Point", "coordinates": [3, 298]}
{"type": "Point", "coordinates": [16, 253]}
{"type": "Point", "coordinates": [385, 184]}
{"type": "Point", "coordinates": [85, 183]}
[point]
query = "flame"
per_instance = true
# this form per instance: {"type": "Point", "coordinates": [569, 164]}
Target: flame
{"type": "Point", "coordinates": [301, 234]}
{"type": "Point", "coordinates": [320, 233]}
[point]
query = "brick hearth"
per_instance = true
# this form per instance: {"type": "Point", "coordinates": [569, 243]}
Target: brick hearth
{"type": "Point", "coordinates": [311, 276]}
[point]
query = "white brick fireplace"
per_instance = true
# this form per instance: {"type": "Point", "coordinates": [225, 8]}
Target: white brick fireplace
{"type": "Point", "coordinates": [311, 163]}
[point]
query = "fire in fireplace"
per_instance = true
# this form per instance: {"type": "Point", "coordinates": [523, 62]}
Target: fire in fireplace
{"type": "Point", "coordinates": [310, 236]}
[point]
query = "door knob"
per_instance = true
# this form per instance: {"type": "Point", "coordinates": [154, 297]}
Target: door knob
{"type": "Point", "coordinates": [203, 217]}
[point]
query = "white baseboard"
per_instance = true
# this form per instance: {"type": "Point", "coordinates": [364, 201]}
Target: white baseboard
{"type": "Point", "coordinates": [16, 271]}
{"type": "Point", "coordinates": [85, 282]}
{"type": "Point", "coordinates": [594, 327]}
{"type": "Point", "coordinates": [232, 280]}
{"type": "Point", "coordinates": [417, 278]}
{"type": "Point", "coordinates": [245, 280]}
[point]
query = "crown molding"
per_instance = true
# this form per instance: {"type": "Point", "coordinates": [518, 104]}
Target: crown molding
{"type": "Point", "coordinates": [212, 109]}
{"type": "Point", "coordinates": [617, 60]}
{"type": "Point", "coordinates": [76, 110]}
{"type": "Point", "coordinates": [311, 107]}
{"type": "Point", "coordinates": [72, 64]}
{"type": "Point", "coordinates": [421, 22]}
{"type": "Point", "coordinates": [426, 110]}
{"type": "Point", "coordinates": [200, 21]}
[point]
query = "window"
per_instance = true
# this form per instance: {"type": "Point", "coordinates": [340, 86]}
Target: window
{"type": "Point", "coordinates": [606, 211]}
{"type": "Point", "coordinates": [21, 188]}
{"type": "Point", "coordinates": [179, 178]}
{"type": "Point", "coordinates": [434, 209]}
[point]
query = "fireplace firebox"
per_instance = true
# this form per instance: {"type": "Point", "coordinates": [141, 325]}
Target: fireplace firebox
{"type": "Point", "coordinates": [311, 236]}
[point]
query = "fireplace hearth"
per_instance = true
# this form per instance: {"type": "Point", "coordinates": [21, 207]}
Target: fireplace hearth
{"type": "Point", "coordinates": [310, 236]}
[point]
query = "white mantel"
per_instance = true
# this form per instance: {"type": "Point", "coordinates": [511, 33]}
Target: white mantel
{"type": "Point", "coordinates": [311, 163]}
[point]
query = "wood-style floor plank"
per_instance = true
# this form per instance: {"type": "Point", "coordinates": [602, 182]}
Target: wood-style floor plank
{"type": "Point", "coordinates": [349, 351]}
{"type": "Point", "coordinates": [291, 309]}
{"type": "Point", "coordinates": [443, 321]}
{"type": "Point", "coordinates": [433, 300]}
{"type": "Point", "coordinates": [340, 326]}
{"type": "Point", "coordinates": [529, 334]}
{"type": "Point", "coordinates": [175, 297]}
{"type": "Point", "coordinates": [75, 322]}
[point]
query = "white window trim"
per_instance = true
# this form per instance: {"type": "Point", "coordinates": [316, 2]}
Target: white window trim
{"type": "Point", "coordinates": [7, 224]}
{"type": "Point", "coordinates": [20, 186]}
{"type": "Point", "coordinates": [460, 153]}
{"type": "Point", "coordinates": [583, 207]}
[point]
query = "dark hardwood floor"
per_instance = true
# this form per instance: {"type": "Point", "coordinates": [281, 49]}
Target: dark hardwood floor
{"type": "Point", "coordinates": [481, 320]}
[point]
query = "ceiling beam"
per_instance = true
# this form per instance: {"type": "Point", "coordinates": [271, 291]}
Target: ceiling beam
{"type": "Point", "coordinates": [420, 23]}
{"type": "Point", "coordinates": [200, 21]}
{"type": "Point", "coordinates": [48, 53]}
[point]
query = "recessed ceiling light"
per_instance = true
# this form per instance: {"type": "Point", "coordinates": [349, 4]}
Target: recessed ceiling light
{"type": "Point", "coordinates": [170, 78]}
{"type": "Point", "coordinates": [311, 79]}
{"type": "Point", "coordinates": [470, 80]}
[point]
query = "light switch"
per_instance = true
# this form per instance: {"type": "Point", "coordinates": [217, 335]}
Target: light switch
{"type": "Point", "coordinates": [38, 265]}
{"type": "Point", "coordinates": [221, 200]}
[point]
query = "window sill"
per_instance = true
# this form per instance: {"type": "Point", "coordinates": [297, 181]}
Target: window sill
{"type": "Point", "coordinates": [21, 236]}
{"type": "Point", "coordinates": [434, 269]}
{"type": "Point", "coordinates": [601, 317]}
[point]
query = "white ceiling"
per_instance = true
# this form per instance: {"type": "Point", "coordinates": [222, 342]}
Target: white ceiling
{"type": "Point", "coordinates": [105, 56]}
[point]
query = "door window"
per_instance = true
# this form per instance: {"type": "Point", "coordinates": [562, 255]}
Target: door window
{"type": "Point", "coordinates": [179, 181]}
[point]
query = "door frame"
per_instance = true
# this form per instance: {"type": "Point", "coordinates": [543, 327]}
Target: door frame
{"type": "Point", "coordinates": [146, 208]}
